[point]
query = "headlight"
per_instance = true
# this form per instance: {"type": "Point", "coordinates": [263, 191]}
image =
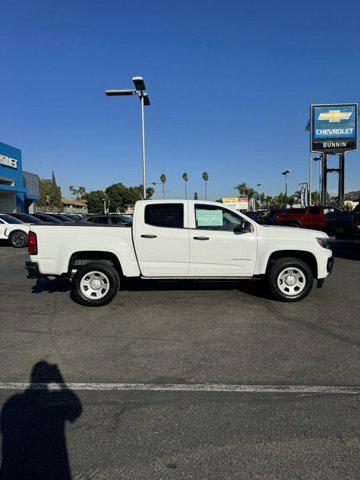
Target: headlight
{"type": "Point", "coordinates": [323, 242]}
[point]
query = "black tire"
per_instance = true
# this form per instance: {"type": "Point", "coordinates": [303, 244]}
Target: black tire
{"type": "Point", "coordinates": [279, 266]}
{"type": "Point", "coordinates": [112, 283]}
{"type": "Point", "coordinates": [18, 239]}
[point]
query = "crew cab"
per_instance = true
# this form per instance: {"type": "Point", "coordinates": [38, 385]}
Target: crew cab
{"type": "Point", "coordinates": [13, 230]}
{"type": "Point", "coordinates": [174, 239]}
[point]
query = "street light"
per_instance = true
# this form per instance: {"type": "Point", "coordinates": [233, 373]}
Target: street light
{"type": "Point", "coordinates": [144, 100]}
{"type": "Point", "coordinates": [286, 173]}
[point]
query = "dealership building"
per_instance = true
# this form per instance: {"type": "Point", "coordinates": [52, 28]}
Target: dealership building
{"type": "Point", "coordinates": [18, 189]}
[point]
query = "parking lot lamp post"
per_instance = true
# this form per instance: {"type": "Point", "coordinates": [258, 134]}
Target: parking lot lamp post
{"type": "Point", "coordinates": [286, 173]}
{"type": "Point", "coordinates": [140, 91]}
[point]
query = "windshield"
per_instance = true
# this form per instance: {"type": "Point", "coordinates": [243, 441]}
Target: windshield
{"type": "Point", "coordinates": [9, 219]}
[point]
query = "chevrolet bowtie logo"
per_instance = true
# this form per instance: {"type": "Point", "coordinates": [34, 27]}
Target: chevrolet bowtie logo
{"type": "Point", "coordinates": [335, 116]}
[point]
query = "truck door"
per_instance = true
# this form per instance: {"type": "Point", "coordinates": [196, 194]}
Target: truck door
{"type": "Point", "coordinates": [161, 239]}
{"type": "Point", "coordinates": [315, 218]}
{"type": "Point", "coordinates": [218, 246]}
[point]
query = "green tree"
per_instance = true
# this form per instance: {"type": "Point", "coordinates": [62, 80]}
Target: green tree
{"type": "Point", "coordinates": [186, 179]}
{"type": "Point", "coordinates": [244, 189]}
{"type": "Point", "coordinates": [205, 177]}
{"type": "Point", "coordinates": [78, 193]}
{"type": "Point", "coordinates": [120, 196]}
{"type": "Point", "coordinates": [163, 181]}
{"type": "Point", "coordinates": [50, 195]}
{"type": "Point", "coordinates": [95, 201]}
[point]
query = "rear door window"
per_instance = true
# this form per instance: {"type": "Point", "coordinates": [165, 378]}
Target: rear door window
{"type": "Point", "coordinates": [169, 215]}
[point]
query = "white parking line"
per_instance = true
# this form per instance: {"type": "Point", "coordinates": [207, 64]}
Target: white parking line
{"type": "Point", "coordinates": [192, 387]}
{"type": "Point", "coordinates": [12, 255]}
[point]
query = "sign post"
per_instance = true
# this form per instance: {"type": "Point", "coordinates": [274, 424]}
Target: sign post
{"type": "Point", "coordinates": [333, 130]}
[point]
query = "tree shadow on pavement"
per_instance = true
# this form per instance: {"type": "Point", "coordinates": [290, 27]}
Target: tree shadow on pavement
{"type": "Point", "coordinates": [33, 428]}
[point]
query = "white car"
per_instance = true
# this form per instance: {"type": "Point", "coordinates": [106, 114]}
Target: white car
{"type": "Point", "coordinates": [13, 230]}
{"type": "Point", "coordinates": [175, 239]}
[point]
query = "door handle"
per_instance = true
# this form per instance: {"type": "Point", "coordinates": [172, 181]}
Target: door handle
{"type": "Point", "coordinates": [148, 236]}
{"type": "Point", "coordinates": [201, 238]}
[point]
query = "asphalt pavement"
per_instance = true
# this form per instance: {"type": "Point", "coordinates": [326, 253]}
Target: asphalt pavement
{"type": "Point", "coordinates": [182, 333]}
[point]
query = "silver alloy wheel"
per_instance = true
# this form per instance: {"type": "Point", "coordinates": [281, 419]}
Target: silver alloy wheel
{"type": "Point", "coordinates": [18, 239]}
{"type": "Point", "coordinates": [94, 285]}
{"type": "Point", "coordinates": [291, 281]}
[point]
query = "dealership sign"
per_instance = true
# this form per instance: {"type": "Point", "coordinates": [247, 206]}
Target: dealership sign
{"type": "Point", "coordinates": [237, 203]}
{"type": "Point", "coordinates": [333, 127]}
{"type": "Point", "coordinates": [8, 161]}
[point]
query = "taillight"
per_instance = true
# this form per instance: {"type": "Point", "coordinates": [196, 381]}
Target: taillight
{"type": "Point", "coordinates": [32, 244]}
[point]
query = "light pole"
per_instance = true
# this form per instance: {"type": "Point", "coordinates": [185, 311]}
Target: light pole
{"type": "Point", "coordinates": [286, 173]}
{"type": "Point", "coordinates": [259, 185]}
{"type": "Point", "coordinates": [140, 91]}
{"type": "Point", "coordinates": [319, 159]}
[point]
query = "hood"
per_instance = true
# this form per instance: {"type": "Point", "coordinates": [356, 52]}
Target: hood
{"type": "Point", "coordinates": [277, 231]}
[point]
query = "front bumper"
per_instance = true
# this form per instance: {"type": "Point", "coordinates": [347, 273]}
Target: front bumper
{"type": "Point", "coordinates": [33, 270]}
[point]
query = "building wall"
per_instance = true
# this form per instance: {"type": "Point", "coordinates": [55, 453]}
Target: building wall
{"type": "Point", "coordinates": [14, 195]}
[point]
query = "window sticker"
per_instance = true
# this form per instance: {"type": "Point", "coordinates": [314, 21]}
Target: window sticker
{"type": "Point", "coordinates": [209, 218]}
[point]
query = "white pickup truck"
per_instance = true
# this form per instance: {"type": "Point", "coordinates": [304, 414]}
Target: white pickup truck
{"type": "Point", "coordinates": [179, 239]}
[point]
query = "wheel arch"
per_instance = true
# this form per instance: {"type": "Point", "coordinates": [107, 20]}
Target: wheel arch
{"type": "Point", "coordinates": [307, 257]}
{"type": "Point", "coordinates": [81, 258]}
{"type": "Point", "coordinates": [17, 230]}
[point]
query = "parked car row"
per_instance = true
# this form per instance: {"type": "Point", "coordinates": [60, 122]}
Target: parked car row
{"type": "Point", "coordinates": [14, 227]}
{"type": "Point", "coordinates": [328, 219]}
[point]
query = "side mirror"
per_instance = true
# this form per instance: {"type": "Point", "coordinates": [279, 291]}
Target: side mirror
{"type": "Point", "coordinates": [243, 227]}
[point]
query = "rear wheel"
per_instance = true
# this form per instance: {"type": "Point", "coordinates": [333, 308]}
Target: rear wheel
{"type": "Point", "coordinates": [95, 284]}
{"type": "Point", "coordinates": [18, 239]}
{"type": "Point", "coordinates": [290, 279]}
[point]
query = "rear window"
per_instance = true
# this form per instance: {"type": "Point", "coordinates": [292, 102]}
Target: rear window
{"type": "Point", "coordinates": [170, 215]}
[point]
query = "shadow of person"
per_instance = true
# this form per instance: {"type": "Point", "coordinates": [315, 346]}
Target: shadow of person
{"type": "Point", "coordinates": [33, 428]}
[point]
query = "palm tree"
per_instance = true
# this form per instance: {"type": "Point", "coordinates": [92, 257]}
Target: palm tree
{"type": "Point", "coordinates": [205, 177]}
{"type": "Point", "coordinates": [244, 189]}
{"type": "Point", "coordinates": [163, 180]}
{"type": "Point", "coordinates": [185, 178]}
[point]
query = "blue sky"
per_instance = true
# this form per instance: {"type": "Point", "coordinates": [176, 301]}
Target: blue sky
{"type": "Point", "coordinates": [230, 85]}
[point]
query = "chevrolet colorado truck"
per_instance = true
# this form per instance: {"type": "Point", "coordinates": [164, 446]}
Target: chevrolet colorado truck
{"type": "Point", "coordinates": [179, 239]}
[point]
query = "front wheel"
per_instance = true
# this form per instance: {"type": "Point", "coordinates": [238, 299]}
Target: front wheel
{"type": "Point", "coordinates": [290, 279]}
{"type": "Point", "coordinates": [18, 239]}
{"type": "Point", "coordinates": [95, 284]}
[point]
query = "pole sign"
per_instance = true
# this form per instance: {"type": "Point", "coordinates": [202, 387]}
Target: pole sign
{"type": "Point", "coordinates": [236, 203]}
{"type": "Point", "coordinates": [333, 128]}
